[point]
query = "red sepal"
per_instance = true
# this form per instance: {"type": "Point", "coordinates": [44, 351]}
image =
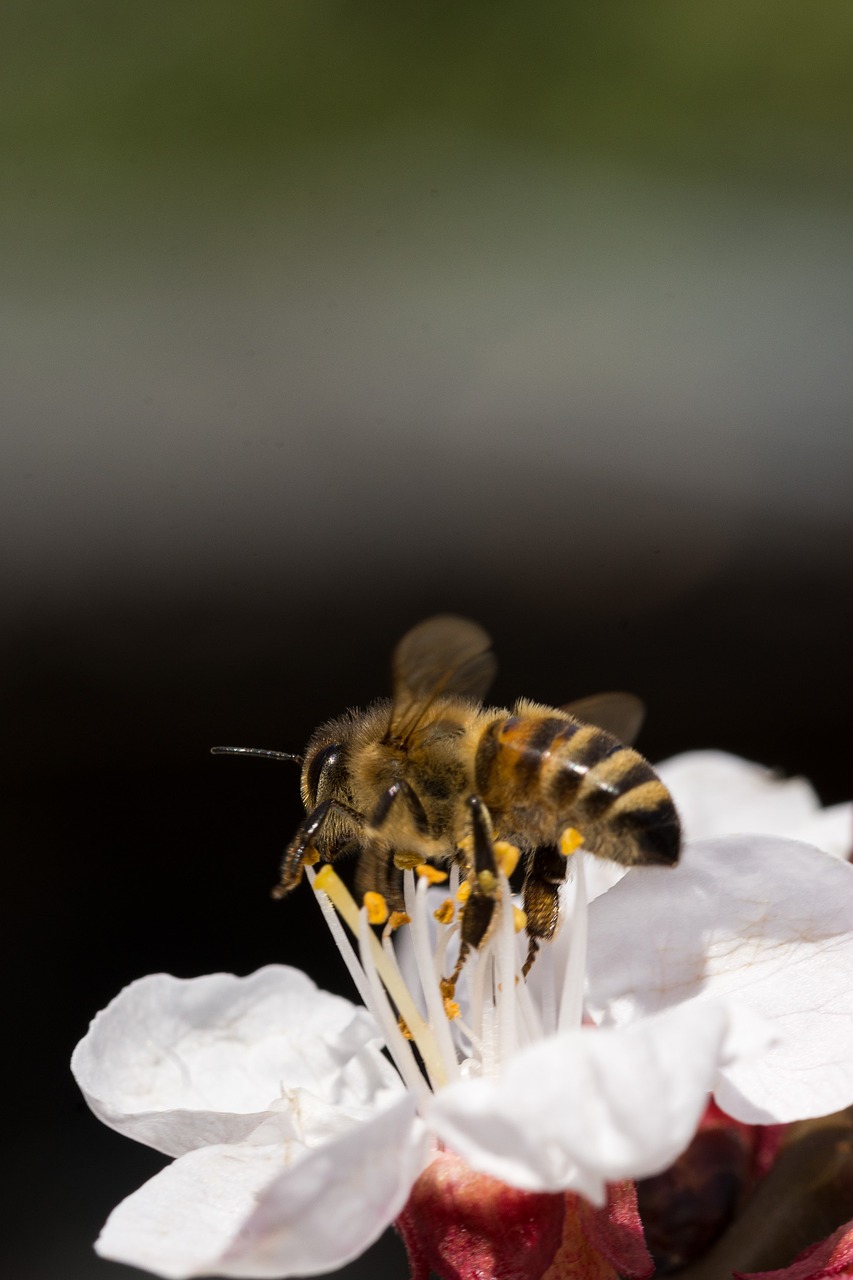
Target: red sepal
{"type": "Point", "coordinates": [468, 1226]}
{"type": "Point", "coordinates": [464, 1225]}
{"type": "Point", "coordinates": [830, 1259]}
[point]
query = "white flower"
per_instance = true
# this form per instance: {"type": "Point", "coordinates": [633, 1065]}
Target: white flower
{"type": "Point", "coordinates": [300, 1144]}
{"type": "Point", "coordinates": [276, 1097]}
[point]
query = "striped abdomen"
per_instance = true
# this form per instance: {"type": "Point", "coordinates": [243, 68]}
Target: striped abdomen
{"type": "Point", "coordinates": [540, 772]}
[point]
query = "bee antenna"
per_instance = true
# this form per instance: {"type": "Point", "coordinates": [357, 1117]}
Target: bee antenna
{"type": "Point", "coordinates": [261, 752]}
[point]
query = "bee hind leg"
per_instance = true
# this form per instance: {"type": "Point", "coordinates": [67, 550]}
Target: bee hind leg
{"type": "Point", "coordinates": [546, 872]}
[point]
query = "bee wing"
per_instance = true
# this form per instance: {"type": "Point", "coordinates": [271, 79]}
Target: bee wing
{"type": "Point", "coordinates": [445, 654]}
{"type": "Point", "coordinates": [621, 714]}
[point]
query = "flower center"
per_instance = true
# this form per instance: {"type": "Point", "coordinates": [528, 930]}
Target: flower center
{"type": "Point", "coordinates": [441, 1021]}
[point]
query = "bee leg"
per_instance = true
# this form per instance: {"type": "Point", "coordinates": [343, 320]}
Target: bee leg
{"type": "Point", "coordinates": [409, 796]}
{"type": "Point", "coordinates": [299, 851]}
{"type": "Point", "coordinates": [479, 909]}
{"type": "Point", "coordinates": [546, 872]}
{"type": "Point", "coordinates": [376, 869]}
{"type": "Point", "coordinates": [376, 872]}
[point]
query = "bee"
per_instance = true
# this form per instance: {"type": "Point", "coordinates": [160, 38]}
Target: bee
{"type": "Point", "coordinates": [434, 776]}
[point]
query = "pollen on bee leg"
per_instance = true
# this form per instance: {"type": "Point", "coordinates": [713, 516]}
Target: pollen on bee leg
{"type": "Point", "coordinates": [507, 856]}
{"type": "Point", "coordinates": [377, 907]}
{"type": "Point", "coordinates": [487, 882]}
{"type": "Point", "coordinates": [444, 913]}
{"type": "Point", "coordinates": [311, 857]}
{"type": "Point", "coordinates": [463, 893]}
{"type": "Point", "coordinates": [431, 874]}
{"type": "Point", "coordinates": [401, 1023]}
{"type": "Point", "coordinates": [451, 1008]}
{"type": "Point", "coordinates": [570, 841]}
{"type": "Point", "coordinates": [519, 919]}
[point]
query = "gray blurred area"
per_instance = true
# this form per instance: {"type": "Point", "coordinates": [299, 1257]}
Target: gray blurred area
{"type": "Point", "coordinates": [486, 359]}
{"type": "Point", "coordinates": [318, 318]}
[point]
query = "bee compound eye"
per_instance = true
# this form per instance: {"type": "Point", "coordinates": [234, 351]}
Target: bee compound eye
{"type": "Point", "coordinates": [323, 765]}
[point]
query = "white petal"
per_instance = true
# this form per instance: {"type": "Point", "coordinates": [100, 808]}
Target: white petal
{"type": "Point", "coordinates": [271, 1210]}
{"type": "Point", "coordinates": [182, 1220]}
{"type": "Point", "coordinates": [592, 1106]}
{"type": "Point", "coordinates": [830, 829]}
{"type": "Point", "coordinates": [326, 1212]}
{"type": "Point", "coordinates": [760, 920]}
{"type": "Point", "coordinates": [601, 875]}
{"type": "Point", "coordinates": [719, 794]}
{"type": "Point", "coordinates": [181, 1063]}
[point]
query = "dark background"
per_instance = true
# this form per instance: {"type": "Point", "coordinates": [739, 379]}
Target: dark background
{"type": "Point", "coordinates": [318, 318]}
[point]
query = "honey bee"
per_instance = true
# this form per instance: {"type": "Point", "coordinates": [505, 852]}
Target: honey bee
{"type": "Point", "coordinates": [434, 776]}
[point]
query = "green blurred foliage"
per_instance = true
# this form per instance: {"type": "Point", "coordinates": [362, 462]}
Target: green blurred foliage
{"type": "Point", "coordinates": [757, 88]}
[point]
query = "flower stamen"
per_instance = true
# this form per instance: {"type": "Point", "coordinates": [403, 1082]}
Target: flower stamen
{"type": "Point", "coordinates": [571, 1001]}
{"type": "Point", "coordinates": [395, 920]}
{"type": "Point", "coordinates": [420, 1011]}
{"type": "Point", "coordinates": [432, 875]}
{"type": "Point", "coordinates": [505, 965]}
{"type": "Point", "coordinates": [507, 856]}
{"type": "Point", "coordinates": [444, 913]}
{"type": "Point", "coordinates": [416, 906]}
{"type": "Point", "coordinates": [376, 961]}
{"type": "Point", "coordinates": [570, 841]}
{"type": "Point", "coordinates": [377, 907]}
{"type": "Point", "coordinates": [394, 1030]}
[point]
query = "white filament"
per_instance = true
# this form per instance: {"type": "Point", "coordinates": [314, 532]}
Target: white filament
{"type": "Point", "coordinates": [380, 1006]}
{"type": "Point", "coordinates": [571, 1001]}
{"type": "Point", "coordinates": [429, 977]}
{"type": "Point", "coordinates": [501, 1016]}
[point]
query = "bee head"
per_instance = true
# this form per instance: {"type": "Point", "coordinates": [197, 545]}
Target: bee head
{"type": "Point", "coordinates": [324, 771]}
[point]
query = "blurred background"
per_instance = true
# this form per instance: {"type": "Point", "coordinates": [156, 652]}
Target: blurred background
{"type": "Point", "coordinates": [321, 317]}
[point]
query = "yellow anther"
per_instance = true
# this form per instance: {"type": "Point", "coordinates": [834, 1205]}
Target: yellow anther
{"type": "Point", "coordinates": [463, 893]}
{"type": "Point", "coordinates": [430, 874]}
{"type": "Point", "coordinates": [406, 861]}
{"type": "Point", "coordinates": [451, 1008]}
{"type": "Point", "coordinates": [570, 841]}
{"type": "Point", "coordinates": [396, 919]}
{"type": "Point", "coordinates": [519, 919]}
{"type": "Point", "coordinates": [401, 1023]}
{"type": "Point", "coordinates": [507, 856]}
{"type": "Point", "coordinates": [444, 913]}
{"type": "Point", "coordinates": [377, 907]}
{"type": "Point", "coordinates": [487, 882]}
{"type": "Point", "coordinates": [310, 857]}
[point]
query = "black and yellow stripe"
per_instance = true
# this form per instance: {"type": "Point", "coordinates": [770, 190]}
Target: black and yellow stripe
{"type": "Point", "coordinates": [542, 772]}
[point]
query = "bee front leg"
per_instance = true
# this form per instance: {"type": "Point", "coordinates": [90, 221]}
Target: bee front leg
{"type": "Point", "coordinates": [479, 909]}
{"type": "Point", "coordinates": [302, 850]}
{"type": "Point", "coordinates": [546, 872]}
